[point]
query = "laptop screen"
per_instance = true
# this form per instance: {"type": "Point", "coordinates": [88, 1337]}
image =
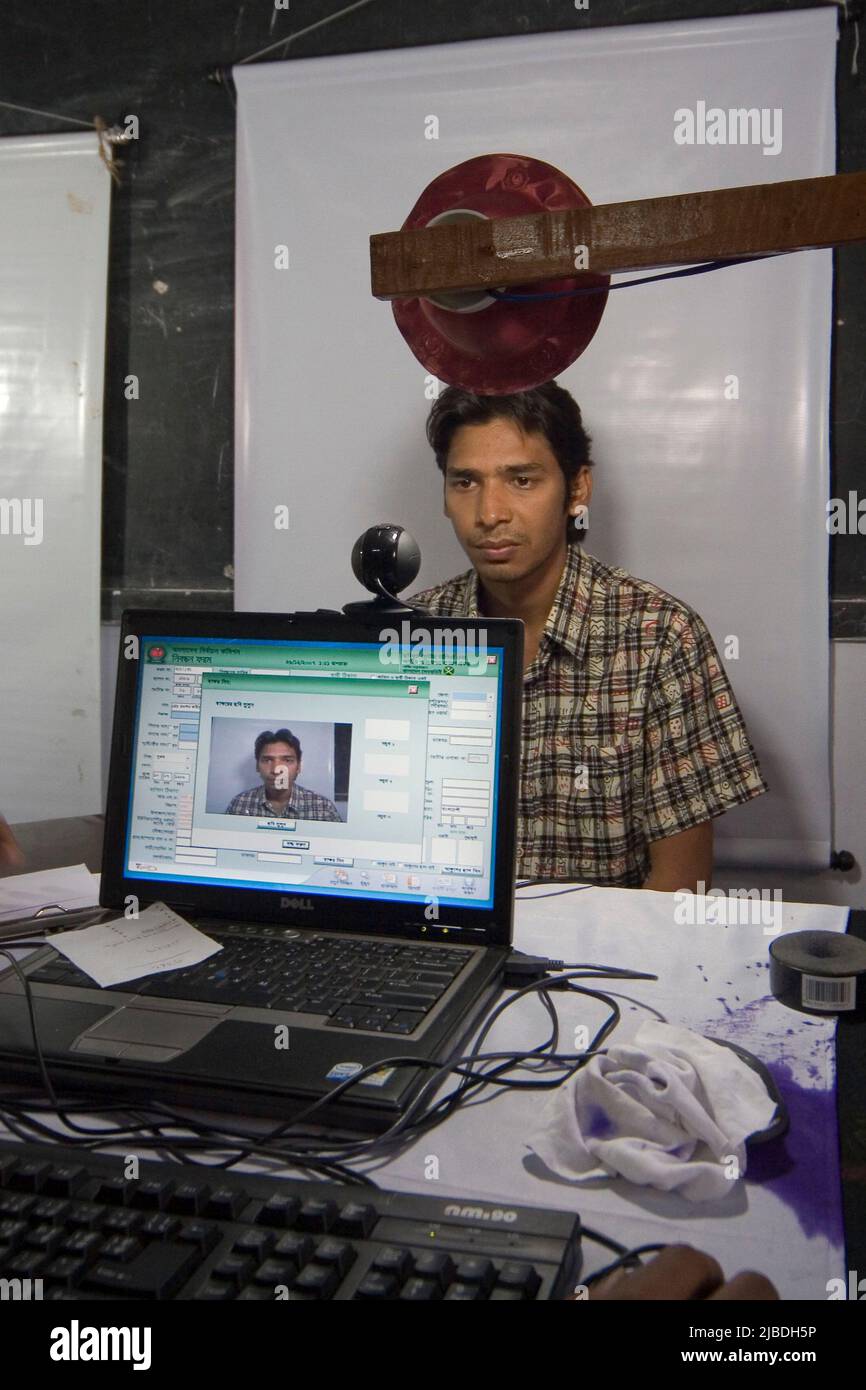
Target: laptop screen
{"type": "Point", "coordinates": [349, 769]}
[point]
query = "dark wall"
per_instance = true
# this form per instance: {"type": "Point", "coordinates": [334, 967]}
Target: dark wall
{"type": "Point", "coordinates": [168, 455]}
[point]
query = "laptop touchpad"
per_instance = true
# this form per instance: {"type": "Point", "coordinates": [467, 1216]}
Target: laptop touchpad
{"type": "Point", "coordinates": [146, 1032]}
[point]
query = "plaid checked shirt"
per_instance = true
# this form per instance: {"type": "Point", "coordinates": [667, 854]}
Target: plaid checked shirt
{"type": "Point", "coordinates": [303, 805]}
{"type": "Point", "coordinates": [631, 731]}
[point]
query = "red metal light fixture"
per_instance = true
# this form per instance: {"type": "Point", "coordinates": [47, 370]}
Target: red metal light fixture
{"type": "Point", "coordinates": [471, 339]}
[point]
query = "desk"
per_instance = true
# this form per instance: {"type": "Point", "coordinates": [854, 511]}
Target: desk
{"type": "Point", "coordinates": [583, 926]}
{"type": "Point", "coordinates": [785, 1219]}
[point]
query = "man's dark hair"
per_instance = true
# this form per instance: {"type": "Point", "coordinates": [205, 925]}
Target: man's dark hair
{"type": "Point", "coordinates": [549, 410]}
{"type": "Point", "coordinates": [281, 736]}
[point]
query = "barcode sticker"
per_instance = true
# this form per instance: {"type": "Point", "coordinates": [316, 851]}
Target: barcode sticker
{"type": "Point", "coordinates": [819, 992]}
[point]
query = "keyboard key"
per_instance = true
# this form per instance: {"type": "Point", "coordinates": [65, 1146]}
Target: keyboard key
{"type": "Point", "coordinates": [12, 1233]}
{"type": "Point", "coordinates": [14, 1205]}
{"type": "Point", "coordinates": [436, 1265]}
{"type": "Point", "coordinates": [203, 1234]}
{"type": "Point", "coordinates": [520, 1276]}
{"type": "Point", "coordinates": [158, 1272]}
{"type": "Point", "coordinates": [338, 1254]}
{"type": "Point", "coordinates": [65, 1179]}
{"type": "Point", "coordinates": [321, 1280]}
{"type": "Point", "coordinates": [464, 1293]}
{"type": "Point", "coordinates": [188, 1199]}
{"type": "Point", "coordinates": [113, 1191]}
{"type": "Point", "coordinates": [151, 1195]}
{"type": "Point", "coordinates": [122, 1222]}
{"type": "Point", "coordinates": [84, 1215]}
{"type": "Point", "coordinates": [225, 1204]}
{"type": "Point", "coordinates": [255, 1243]}
{"type": "Point", "coordinates": [295, 1247]}
{"type": "Point", "coordinates": [215, 1292]}
{"type": "Point", "coordinates": [235, 1268]}
{"type": "Point", "coordinates": [279, 1211]}
{"type": "Point", "coordinates": [474, 1269]}
{"type": "Point", "coordinates": [65, 1270]}
{"type": "Point", "coordinates": [274, 1272]}
{"type": "Point", "coordinates": [84, 1244]}
{"type": "Point", "coordinates": [120, 1248]}
{"type": "Point", "coordinates": [317, 1215]}
{"type": "Point", "coordinates": [317, 1005]}
{"type": "Point", "coordinates": [376, 1285]}
{"type": "Point", "coordinates": [405, 1021]}
{"type": "Point", "coordinates": [49, 1209]}
{"type": "Point", "coordinates": [159, 1226]}
{"type": "Point", "coordinates": [355, 1219]}
{"type": "Point", "coordinates": [8, 1163]}
{"type": "Point", "coordinates": [421, 1291]}
{"type": "Point", "coordinates": [393, 1259]}
{"type": "Point", "coordinates": [29, 1176]}
{"type": "Point", "coordinates": [25, 1264]}
{"type": "Point", "coordinates": [44, 1237]}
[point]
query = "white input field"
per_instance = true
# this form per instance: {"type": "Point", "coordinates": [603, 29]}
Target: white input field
{"type": "Point", "coordinates": [477, 758]}
{"type": "Point", "coordinates": [394, 730]}
{"type": "Point", "coordinates": [455, 730]}
{"type": "Point", "coordinates": [470, 854]}
{"type": "Point", "coordinates": [443, 851]}
{"type": "Point", "coordinates": [396, 803]}
{"type": "Point", "coordinates": [462, 784]}
{"type": "Point", "coordinates": [468, 742]}
{"type": "Point", "coordinates": [281, 858]}
{"type": "Point", "coordinates": [387, 764]}
{"type": "Point", "coordinates": [474, 712]}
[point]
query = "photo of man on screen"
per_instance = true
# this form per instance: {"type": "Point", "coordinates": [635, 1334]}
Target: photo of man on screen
{"type": "Point", "coordinates": [278, 763]}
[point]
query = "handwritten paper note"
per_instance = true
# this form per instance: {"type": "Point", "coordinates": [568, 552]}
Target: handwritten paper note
{"type": "Point", "coordinates": [155, 941]}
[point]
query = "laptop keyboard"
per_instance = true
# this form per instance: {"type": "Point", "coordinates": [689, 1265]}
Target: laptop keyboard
{"type": "Point", "coordinates": [378, 986]}
{"type": "Point", "coordinates": [73, 1227]}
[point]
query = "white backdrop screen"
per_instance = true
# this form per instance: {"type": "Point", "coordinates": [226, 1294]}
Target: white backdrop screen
{"type": "Point", "coordinates": [55, 198]}
{"type": "Point", "coordinates": [707, 398]}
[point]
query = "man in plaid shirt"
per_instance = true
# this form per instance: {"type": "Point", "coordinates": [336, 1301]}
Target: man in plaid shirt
{"type": "Point", "coordinates": [278, 762]}
{"type": "Point", "coordinates": [632, 739]}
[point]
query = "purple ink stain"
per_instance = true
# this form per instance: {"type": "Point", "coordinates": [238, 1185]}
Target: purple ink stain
{"type": "Point", "coordinates": [724, 1002]}
{"type": "Point", "coordinates": [801, 1166]}
{"type": "Point", "coordinates": [597, 1124]}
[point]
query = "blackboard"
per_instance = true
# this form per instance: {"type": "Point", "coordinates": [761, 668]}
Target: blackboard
{"type": "Point", "coordinates": [168, 463]}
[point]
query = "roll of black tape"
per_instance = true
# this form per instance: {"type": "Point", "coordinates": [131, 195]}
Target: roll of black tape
{"type": "Point", "coordinates": [819, 972]}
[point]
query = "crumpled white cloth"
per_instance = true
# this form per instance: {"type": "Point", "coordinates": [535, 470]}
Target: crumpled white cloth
{"type": "Point", "coordinates": [670, 1110]}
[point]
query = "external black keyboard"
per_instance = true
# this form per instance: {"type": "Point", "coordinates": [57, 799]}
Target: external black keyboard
{"type": "Point", "coordinates": [378, 985]}
{"type": "Point", "coordinates": [74, 1226]}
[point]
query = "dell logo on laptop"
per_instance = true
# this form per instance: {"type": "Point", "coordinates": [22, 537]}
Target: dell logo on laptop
{"type": "Point", "coordinates": [303, 904]}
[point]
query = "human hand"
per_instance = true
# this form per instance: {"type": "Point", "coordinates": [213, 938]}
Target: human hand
{"type": "Point", "coordinates": [681, 1272]}
{"type": "Point", "coordinates": [11, 854]}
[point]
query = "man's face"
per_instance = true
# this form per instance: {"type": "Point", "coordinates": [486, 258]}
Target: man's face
{"type": "Point", "coordinates": [506, 497]}
{"type": "Point", "coordinates": [278, 766]}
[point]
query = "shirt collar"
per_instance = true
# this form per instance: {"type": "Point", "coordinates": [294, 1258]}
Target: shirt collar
{"type": "Point", "coordinates": [568, 621]}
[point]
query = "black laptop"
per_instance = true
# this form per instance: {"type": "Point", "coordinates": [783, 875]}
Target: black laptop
{"type": "Point", "coordinates": [331, 799]}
